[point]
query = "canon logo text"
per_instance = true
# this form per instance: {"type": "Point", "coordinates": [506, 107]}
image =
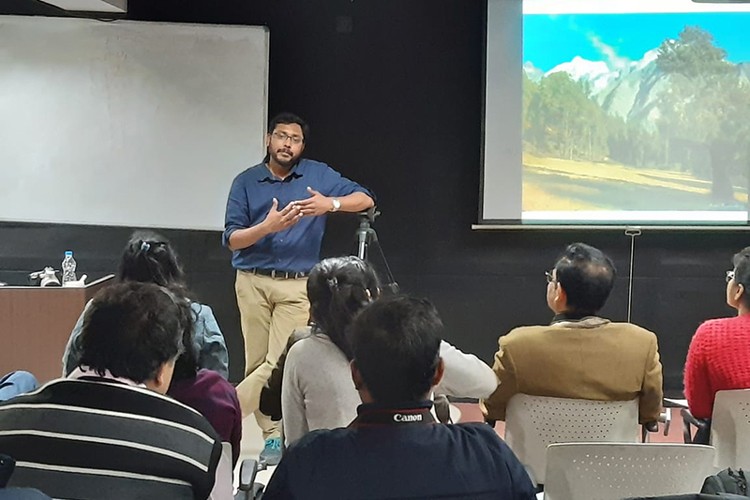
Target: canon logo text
{"type": "Point", "coordinates": [399, 417]}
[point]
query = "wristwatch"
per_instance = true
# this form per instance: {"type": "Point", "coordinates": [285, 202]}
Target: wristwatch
{"type": "Point", "coordinates": [336, 205]}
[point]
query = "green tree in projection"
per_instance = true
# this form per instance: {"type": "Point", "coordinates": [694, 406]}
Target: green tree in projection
{"type": "Point", "coordinates": [628, 142]}
{"type": "Point", "coordinates": [597, 131]}
{"type": "Point", "coordinates": [530, 90]}
{"type": "Point", "coordinates": [563, 121]}
{"type": "Point", "coordinates": [706, 104]}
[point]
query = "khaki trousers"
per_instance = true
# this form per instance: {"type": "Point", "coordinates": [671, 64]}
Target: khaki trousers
{"type": "Point", "coordinates": [270, 309]}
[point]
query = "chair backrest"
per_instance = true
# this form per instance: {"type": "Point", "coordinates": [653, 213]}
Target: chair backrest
{"type": "Point", "coordinates": [730, 429]}
{"type": "Point", "coordinates": [533, 422]}
{"type": "Point", "coordinates": [605, 471]}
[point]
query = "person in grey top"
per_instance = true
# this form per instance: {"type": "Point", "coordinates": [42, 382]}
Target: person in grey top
{"type": "Point", "coordinates": [317, 391]}
{"type": "Point", "coordinates": [148, 257]}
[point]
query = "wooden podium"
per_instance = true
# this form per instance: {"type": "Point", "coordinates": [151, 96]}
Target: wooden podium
{"type": "Point", "coordinates": [35, 324]}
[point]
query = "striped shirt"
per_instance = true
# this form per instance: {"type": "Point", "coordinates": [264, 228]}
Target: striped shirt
{"type": "Point", "coordinates": [81, 439]}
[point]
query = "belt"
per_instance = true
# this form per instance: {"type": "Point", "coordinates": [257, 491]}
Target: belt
{"type": "Point", "coordinates": [273, 273]}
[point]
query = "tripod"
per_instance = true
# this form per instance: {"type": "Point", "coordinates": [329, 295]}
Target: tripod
{"type": "Point", "coordinates": [366, 239]}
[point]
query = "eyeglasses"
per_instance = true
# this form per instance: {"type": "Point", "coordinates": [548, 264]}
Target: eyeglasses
{"type": "Point", "coordinates": [730, 275]}
{"type": "Point", "coordinates": [550, 277]}
{"type": "Point", "coordinates": [281, 136]}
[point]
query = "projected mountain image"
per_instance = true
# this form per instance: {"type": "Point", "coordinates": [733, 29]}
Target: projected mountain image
{"type": "Point", "coordinates": [613, 125]}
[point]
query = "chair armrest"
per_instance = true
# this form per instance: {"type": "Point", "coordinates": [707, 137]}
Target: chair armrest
{"type": "Point", "coordinates": [442, 409]}
{"type": "Point", "coordinates": [666, 419]}
{"type": "Point", "coordinates": [687, 420]}
{"type": "Point", "coordinates": [248, 470]}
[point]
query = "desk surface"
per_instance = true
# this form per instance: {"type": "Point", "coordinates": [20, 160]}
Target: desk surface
{"type": "Point", "coordinates": [94, 284]}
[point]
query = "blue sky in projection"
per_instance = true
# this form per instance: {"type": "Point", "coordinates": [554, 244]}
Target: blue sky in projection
{"type": "Point", "coordinates": [553, 39]}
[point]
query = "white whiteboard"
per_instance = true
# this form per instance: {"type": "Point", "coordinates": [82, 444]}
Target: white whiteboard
{"type": "Point", "coordinates": [127, 123]}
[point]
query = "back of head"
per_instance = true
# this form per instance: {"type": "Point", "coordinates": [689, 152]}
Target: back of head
{"type": "Point", "coordinates": [337, 289]}
{"type": "Point", "coordinates": [396, 344]}
{"type": "Point", "coordinates": [131, 329]}
{"type": "Point", "coordinates": [149, 258]}
{"type": "Point", "coordinates": [587, 275]}
{"type": "Point", "coordinates": [741, 262]}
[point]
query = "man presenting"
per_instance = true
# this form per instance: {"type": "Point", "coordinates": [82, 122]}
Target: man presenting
{"type": "Point", "coordinates": [274, 226]}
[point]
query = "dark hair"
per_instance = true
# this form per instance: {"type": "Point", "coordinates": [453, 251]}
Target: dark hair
{"type": "Point", "coordinates": [148, 257]}
{"type": "Point", "coordinates": [287, 119]}
{"type": "Point", "coordinates": [337, 289]}
{"type": "Point", "coordinates": [396, 343]}
{"type": "Point", "coordinates": [186, 366]}
{"type": "Point", "coordinates": [741, 262]}
{"type": "Point", "coordinates": [587, 275]}
{"type": "Point", "coordinates": [131, 329]}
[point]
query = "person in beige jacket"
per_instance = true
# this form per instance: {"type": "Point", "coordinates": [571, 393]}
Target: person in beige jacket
{"type": "Point", "coordinates": [579, 355]}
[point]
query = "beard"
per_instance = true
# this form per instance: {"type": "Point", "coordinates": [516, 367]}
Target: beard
{"type": "Point", "coordinates": [284, 157]}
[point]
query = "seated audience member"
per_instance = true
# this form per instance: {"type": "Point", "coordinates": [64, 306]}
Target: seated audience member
{"type": "Point", "coordinates": [719, 354]}
{"type": "Point", "coordinates": [317, 390]}
{"type": "Point", "coordinates": [149, 258]}
{"type": "Point", "coordinates": [580, 354]}
{"type": "Point", "coordinates": [395, 448]}
{"type": "Point", "coordinates": [209, 393]}
{"type": "Point", "coordinates": [15, 383]}
{"type": "Point", "coordinates": [108, 431]}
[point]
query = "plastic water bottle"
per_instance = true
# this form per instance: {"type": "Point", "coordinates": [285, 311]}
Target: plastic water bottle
{"type": "Point", "coordinates": [68, 268]}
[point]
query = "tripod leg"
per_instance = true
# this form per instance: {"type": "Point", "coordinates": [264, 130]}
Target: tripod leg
{"type": "Point", "coordinates": [362, 245]}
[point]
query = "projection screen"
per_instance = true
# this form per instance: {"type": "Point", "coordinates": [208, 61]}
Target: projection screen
{"type": "Point", "coordinates": [618, 112]}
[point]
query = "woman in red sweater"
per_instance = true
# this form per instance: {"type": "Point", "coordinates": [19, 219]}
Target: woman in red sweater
{"type": "Point", "coordinates": [719, 354]}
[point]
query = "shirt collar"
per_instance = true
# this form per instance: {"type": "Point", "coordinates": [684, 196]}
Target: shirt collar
{"type": "Point", "coordinates": [86, 373]}
{"type": "Point", "coordinates": [294, 173]}
{"type": "Point", "coordinates": [578, 321]}
{"type": "Point", "coordinates": [377, 415]}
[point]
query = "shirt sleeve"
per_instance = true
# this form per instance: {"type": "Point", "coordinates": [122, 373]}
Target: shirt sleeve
{"type": "Point", "coordinates": [336, 184]}
{"type": "Point", "coordinates": [236, 433]}
{"type": "Point", "coordinates": [698, 390]}
{"type": "Point", "coordinates": [465, 375]}
{"type": "Point", "coordinates": [278, 486]}
{"type": "Point", "coordinates": [292, 400]}
{"type": "Point", "coordinates": [212, 348]}
{"type": "Point", "coordinates": [270, 393]}
{"type": "Point", "coordinates": [237, 215]}
{"type": "Point", "coordinates": [520, 482]}
{"type": "Point", "coordinates": [650, 401]}
{"type": "Point", "coordinates": [494, 406]}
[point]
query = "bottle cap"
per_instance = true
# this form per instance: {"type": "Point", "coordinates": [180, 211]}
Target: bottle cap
{"type": "Point", "coordinates": [68, 253]}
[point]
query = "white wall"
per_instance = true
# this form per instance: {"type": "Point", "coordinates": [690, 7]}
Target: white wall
{"type": "Point", "coordinates": [127, 123]}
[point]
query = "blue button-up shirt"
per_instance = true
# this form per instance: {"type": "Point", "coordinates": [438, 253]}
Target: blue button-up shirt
{"type": "Point", "coordinates": [296, 249]}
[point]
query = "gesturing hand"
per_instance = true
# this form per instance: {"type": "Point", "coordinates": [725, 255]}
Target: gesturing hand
{"type": "Point", "coordinates": [316, 204]}
{"type": "Point", "coordinates": [278, 220]}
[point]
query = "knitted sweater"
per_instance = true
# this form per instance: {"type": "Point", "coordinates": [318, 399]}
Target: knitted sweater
{"type": "Point", "coordinates": [718, 360]}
